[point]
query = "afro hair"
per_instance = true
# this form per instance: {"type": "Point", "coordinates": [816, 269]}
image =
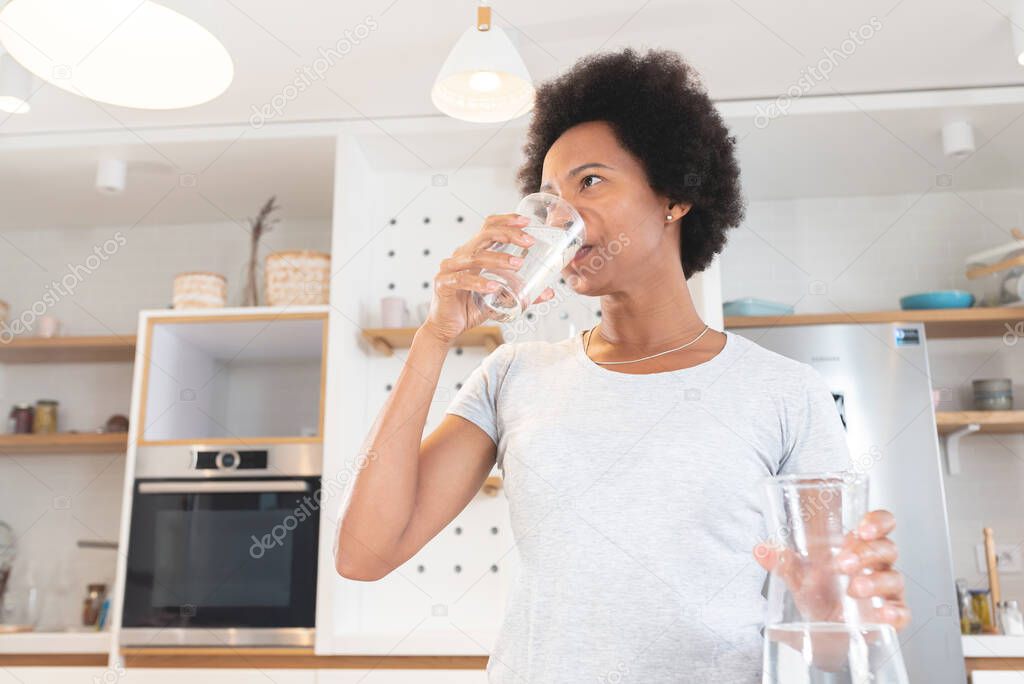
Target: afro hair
{"type": "Point", "coordinates": [662, 115]}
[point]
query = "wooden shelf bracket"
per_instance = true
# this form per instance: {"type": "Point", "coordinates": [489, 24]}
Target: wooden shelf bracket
{"type": "Point", "coordinates": [952, 444]}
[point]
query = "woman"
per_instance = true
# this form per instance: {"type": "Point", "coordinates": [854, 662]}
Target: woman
{"type": "Point", "coordinates": [632, 453]}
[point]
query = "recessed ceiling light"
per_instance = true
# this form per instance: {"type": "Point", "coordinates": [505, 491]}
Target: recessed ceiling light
{"type": "Point", "coordinates": [15, 86]}
{"type": "Point", "coordinates": [958, 139]}
{"type": "Point", "coordinates": [484, 79]}
{"type": "Point", "coordinates": [121, 52]}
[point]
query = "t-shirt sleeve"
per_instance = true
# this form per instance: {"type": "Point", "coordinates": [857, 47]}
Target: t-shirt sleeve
{"type": "Point", "coordinates": [815, 438]}
{"type": "Point", "coordinates": [477, 399]}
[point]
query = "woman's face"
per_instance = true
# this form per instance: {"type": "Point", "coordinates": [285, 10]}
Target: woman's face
{"type": "Point", "coordinates": [628, 239]}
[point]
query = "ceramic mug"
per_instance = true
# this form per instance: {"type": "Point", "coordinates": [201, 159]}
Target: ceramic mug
{"type": "Point", "coordinates": [47, 326]}
{"type": "Point", "coordinates": [394, 312]}
{"type": "Point", "coordinates": [422, 311]}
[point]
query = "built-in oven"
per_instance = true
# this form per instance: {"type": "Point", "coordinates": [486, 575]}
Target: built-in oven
{"type": "Point", "coordinates": [223, 546]}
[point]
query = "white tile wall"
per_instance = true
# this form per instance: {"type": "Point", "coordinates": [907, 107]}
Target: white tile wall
{"type": "Point", "coordinates": [870, 251]}
{"type": "Point", "coordinates": [54, 500]}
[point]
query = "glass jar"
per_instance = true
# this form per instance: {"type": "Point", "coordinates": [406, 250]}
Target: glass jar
{"type": "Point", "coordinates": [982, 605]}
{"type": "Point", "coordinates": [46, 417]}
{"type": "Point", "coordinates": [94, 596]}
{"type": "Point", "coordinates": [21, 419]}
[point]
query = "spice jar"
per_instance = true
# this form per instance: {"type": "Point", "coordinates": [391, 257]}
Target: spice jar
{"type": "Point", "coordinates": [94, 596]}
{"type": "Point", "coordinates": [46, 417]}
{"type": "Point", "coordinates": [20, 421]}
{"type": "Point", "coordinates": [982, 603]}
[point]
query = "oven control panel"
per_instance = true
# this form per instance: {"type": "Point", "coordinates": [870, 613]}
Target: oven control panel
{"type": "Point", "coordinates": [230, 459]}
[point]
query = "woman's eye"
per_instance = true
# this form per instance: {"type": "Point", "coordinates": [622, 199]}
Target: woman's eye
{"type": "Point", "coordinates": [591, 180]}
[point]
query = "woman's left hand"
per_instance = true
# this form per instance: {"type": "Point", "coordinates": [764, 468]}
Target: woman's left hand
{"type": "Point", "coordinates": [868, 549]}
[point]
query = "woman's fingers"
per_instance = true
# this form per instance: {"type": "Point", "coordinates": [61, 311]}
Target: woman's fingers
{"type": "Point", "coordinates": [544, 296]}
{"type": "Point", "coordinates": [896, 614]}
{"type": "Point", "coordinates": [447, 283]}
{"type": "Point", "coordinates": [876, 524]}
{"type": "Point", "coordinates": [486, 259]}
{"type": "Point", "coordinates": [858, 554]}
{"type": "Point", "coordinates": [887, 584]}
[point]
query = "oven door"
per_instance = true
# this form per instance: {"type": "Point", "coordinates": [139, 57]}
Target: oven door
{"type": "Point", "coordinates": [225, 553]}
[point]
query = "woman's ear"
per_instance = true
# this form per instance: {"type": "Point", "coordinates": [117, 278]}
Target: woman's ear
{"type": "Point", "coordinates": [677, 210]}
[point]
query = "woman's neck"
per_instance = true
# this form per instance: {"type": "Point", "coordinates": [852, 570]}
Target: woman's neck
{"type": "Point", "coordinates": [649, 318]}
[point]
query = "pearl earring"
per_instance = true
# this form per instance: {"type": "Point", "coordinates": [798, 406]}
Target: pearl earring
{"type": "Point", "coordinates": [669, 217]}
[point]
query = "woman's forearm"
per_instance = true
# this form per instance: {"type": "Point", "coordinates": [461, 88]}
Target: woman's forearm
{"type": "Point", "coordinates": [383, 497]}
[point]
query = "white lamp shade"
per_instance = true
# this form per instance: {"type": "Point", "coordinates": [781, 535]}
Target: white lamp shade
{"type": "Point", "coordinates": [15, 86]}
{"type": "Point", "coordinates": [117, 51]}
{"type": "Point", "coordinates": [484, 79]}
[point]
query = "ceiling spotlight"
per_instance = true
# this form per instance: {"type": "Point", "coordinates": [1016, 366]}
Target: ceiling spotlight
{"type": "Point", "coordinates": [15, 86]}
{"type": "Point", "coordinates": [484, 79]}
{"type": "Point", "coordinates": [130, 53]}
{"type": "Point", "coordinates": [111, 175]}
{"type": "Point", "coordinates": [958, 139]}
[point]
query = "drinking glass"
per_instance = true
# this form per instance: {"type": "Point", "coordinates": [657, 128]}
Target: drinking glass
{"type": "Point", "coordinates": [559, 232]}
{"type": "Point", "coordinates": [815, 632]}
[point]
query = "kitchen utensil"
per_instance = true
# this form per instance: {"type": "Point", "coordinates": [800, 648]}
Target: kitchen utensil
{"type": "Point", "coordinates": [45, 420]}
{"type": "Point", "coordinates": [940, 299]}
{"type": "Point", "coordinates": [993, 572]}
{"type": "Point", "coordinates": [47, 326]}
{"type": "Point", "coordinates": [558, 231]}
{"type": "Point", "coordinates": [394, 312]}
{"type": "Point", "coordinates": [815, 631]}
{"type": "Point", "coordinates": [297, 278]}
{"type": "Point", "coordinates": [752, 306]}
{"type": "Point", "coordinates": [200, 290]}
{"type": "Point", "coordinates": [995, 394]}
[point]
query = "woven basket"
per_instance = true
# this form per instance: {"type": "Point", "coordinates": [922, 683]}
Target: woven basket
{"type": "Point", "coordinates": [296, 278]}
{"type": "Point", "coordinates": [200, 290]}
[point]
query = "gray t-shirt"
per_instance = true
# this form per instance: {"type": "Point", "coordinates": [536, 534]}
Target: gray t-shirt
{"type": "Point", "coordinates": [635, 503]}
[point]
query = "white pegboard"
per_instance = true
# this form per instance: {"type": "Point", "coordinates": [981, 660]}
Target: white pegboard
{"type": "Point", "coordinates": [450, 597]}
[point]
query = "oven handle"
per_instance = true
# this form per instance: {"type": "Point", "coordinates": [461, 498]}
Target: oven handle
{"type": "Point", "coordinates": [222, 487]}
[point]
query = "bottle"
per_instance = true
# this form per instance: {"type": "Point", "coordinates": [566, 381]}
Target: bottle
{"type": "Point", "coordinates": [94, 598]}
{"type": "Point", "coordinates": [968, 619]}
{"type": "Point", "coordinates": [1011, 621]}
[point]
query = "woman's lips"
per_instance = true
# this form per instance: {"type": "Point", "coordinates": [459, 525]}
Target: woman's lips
{"type": "Point", "coordinates": [582, 253]}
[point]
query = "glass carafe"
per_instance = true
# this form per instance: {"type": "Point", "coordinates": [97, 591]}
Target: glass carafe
{"type": "Point", "coordinates": [815, 632]}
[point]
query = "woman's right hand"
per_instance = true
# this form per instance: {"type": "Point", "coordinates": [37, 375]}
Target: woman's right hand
{"type": "Point", "coordinates": [452, 309]}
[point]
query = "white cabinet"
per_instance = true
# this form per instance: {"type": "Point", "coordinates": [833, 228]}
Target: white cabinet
{"type": "Point", "coordinates": [56, 675]}
{"type": "Point", "coordinates": [232, 375]}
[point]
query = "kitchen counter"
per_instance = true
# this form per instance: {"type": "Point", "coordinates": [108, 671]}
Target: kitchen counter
{"type": "Point", "coordinates": [993, 646]}
{"type": "Point", "coordinates": [55, 642]}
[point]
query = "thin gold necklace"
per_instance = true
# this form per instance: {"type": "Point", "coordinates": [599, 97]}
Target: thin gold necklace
{"type": "Point", "coordinates": [590, 332]}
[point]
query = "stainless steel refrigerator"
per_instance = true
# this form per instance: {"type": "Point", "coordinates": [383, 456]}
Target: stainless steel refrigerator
{"type": "Point", "coordinates": [881, 382]}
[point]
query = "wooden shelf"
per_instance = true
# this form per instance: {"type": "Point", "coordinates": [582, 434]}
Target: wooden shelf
{"type": "Point", "coordinates": [386, 340]}
{"type": "Point", "coordinates": [1002, 422]}
{"type": "Point", "coordinates": [64, 443]}
{"type": "Point", "coordinates": [939, 323]}
{"type": "Point", "coordinates": [291, 658]}
{"type": "Point", "coordinates": [83, 349]}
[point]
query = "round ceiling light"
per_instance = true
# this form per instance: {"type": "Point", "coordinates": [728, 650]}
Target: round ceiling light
{"type": "Point", "coordinates": [122, 52]}
{"type": "Point", "coordinates": [484, 79]}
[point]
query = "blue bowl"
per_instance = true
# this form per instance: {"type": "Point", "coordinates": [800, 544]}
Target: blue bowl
{"type": "Point", "coordinates": [941, 299]}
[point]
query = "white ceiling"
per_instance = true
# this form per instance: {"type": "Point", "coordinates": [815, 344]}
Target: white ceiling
{"type": "Point", "coordinates": [744, 49]}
